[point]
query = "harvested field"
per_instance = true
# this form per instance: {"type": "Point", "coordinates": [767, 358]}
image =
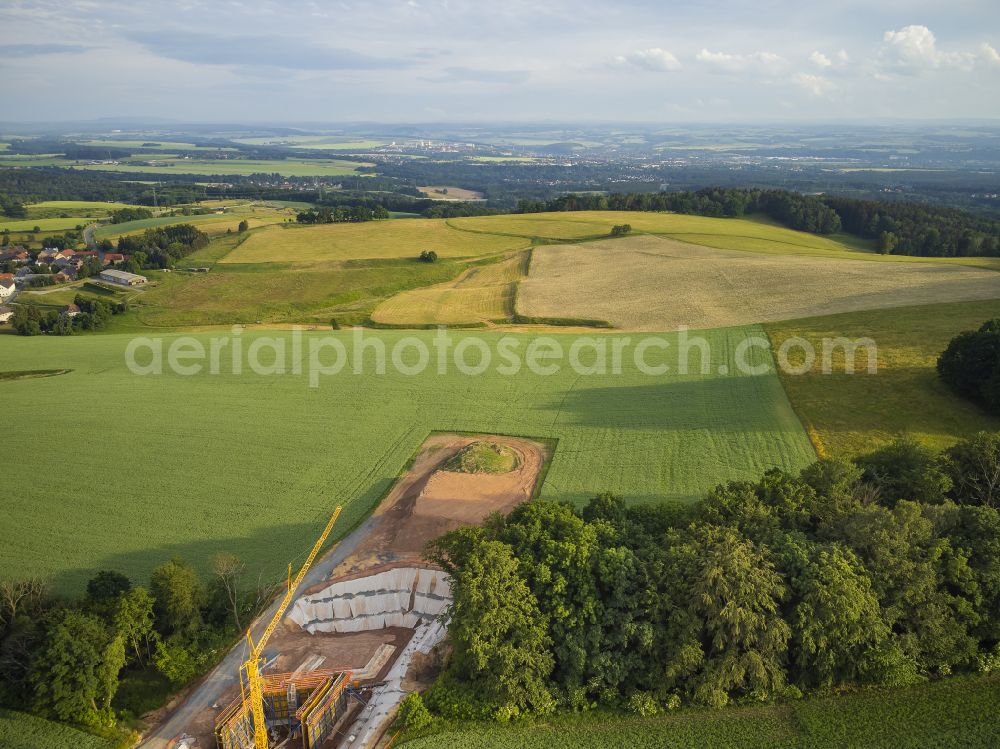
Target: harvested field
{"type": "Point", "coordinates": [653, 283]}
{"type": "Point", "coordinates": [373, 239]}
{"type": "Point", "coordinates": [481, 294]}
{"type": "Point", "coordinates": [448, 192]}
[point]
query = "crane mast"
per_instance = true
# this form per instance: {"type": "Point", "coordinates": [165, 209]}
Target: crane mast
{"type": "Point", "coordinates": [254, 679]}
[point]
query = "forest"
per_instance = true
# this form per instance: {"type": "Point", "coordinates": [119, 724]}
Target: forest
{"type": "Point", "coordinates": [885, 571]}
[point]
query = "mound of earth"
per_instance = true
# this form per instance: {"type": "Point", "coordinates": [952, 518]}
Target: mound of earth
{"type": "Point", "coordinates": [483, 457]}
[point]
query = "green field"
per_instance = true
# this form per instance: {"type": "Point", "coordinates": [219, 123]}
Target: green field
{"type": "Point", "coordinates": [211, 223]}
{"type": "Point", "coordinates": [195, 465]}
{"type": "Point", "coordinates": [752, 234]}
{"type": "Point", "coordinates": [374, 239]}
{"type": "Point", "coordinates": [23, 731]}
{"type": "Point", "coordinates": [44, 224]}
{"type": "Point", "coordinates": [852, 414]}
{"type": "Point", "coordinates": [63, 208]}
{"type": "Point", "coordinates": [949, 714]}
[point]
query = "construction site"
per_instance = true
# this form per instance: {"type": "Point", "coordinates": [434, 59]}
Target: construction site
{"type": "Point", "coordinates": [361, 626]}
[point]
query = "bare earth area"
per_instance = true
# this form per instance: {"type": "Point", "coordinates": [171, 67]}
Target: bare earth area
{"type": "Point", "coordinates": [426, 502]}
{"type": "Point", "coordinates": [652, 283]}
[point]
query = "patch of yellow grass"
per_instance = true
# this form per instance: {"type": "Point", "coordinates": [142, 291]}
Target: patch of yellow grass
{"type": "Point", "coordinates": [481, 294]}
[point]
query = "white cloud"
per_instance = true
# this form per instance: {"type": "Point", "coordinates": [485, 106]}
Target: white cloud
{"type": "Point", "coordinates": [816, 85]}
{"type": "Point", "coordinates": [656, 60]}
{"type": "Point", "coordinates": [989, 54]}
{"type": "Point", "coordinates": [914, 49]}
{"type": "Point", "coordinates": [820, 60]}
{"type": "Point", "coordinates": [767, 62]}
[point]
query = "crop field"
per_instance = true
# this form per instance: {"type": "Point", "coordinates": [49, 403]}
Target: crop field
{"type": "Point", "coordinates": [244, 167]}
{"type": "Point", "coordinates": [654, 283]}
{"type": "Point", "coordinates": [852, 414]}
{"type": "Point", "coordinates": [325, 142]}
{"type": "Point", "coordinates": [251, 463]}
{"type": "Point", "coordinates": [481, 294]}
{"type": "Point", "coordinates": [956, 712]}
{"type": "Point", "coordinates": [373, 239]}
{"type": "Point", "coordinates": [169, 145]}
{"type": "Point", "coordinates": [23, 731]}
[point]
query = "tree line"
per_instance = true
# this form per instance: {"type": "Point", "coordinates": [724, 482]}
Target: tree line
{"type": "Point", "coordinates": [65, 659]}
{"type": "Point", "coordinates": [901, 228]}
{"type": "Point", "coordinates": [342, 214]}
{"type": "Point", "coordinates": [885, 571]}
{"type": "Point", "coordinates": [94, 314]}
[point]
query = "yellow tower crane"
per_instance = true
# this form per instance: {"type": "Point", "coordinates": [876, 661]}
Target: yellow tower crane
{"type": "Point", "coordinates": [254, 679]}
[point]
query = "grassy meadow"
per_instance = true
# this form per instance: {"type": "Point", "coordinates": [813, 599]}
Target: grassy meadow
{"type": "Point", "coordinates": [209, 223]}
{"type": "Point", "coordinates": [955, 713]}
{"type": "Point", "coordinates": [251, 464]}
{"type": "Point", "coordinates": [851, 414]}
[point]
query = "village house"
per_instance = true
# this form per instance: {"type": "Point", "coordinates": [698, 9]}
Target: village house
{"type": "Point", "coordinates": [70, 310]}
{"type": "Point", "coordinates": [14, 255]}
{"type": "Point", "coordinates": [111, 258]}
{"type": "Point", "coordinates": [5, 314]}
{"type": "Point", "coordinates": [7, 288]}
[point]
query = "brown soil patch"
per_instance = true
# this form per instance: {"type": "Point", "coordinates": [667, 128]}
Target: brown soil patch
{"type": "Point", "coordinates": [427, 502]}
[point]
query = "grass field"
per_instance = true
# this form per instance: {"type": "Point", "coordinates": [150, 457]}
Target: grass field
{"type": "Point", "coordinates": [244, 167]}
{"type": "Point", "coordinates": [655, 283]}
{"type": "Point", "coordinates": [23, 731]}
{"type": "Point", "coordinates": [210, 223]}
{"type": "Point", "coordinates": [374, 239]}
{"type": "Point", "coordinates": [949, 714]}
{"type": "Point", "coordinates": [851, 414]}
{"type": "Point", "coordinates": [754, 234]}
{"type": "Point", "coordinates": [195, 465]}
{"type": "Point", "coordinates": [44, 224]}
{"type": "Point", "coordinates": [481, 294]}
{"type": "Point", "coordinates": [63, 208]}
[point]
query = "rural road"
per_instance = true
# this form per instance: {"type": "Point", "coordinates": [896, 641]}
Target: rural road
{"type": "Point", "coordinates": [225, 675]}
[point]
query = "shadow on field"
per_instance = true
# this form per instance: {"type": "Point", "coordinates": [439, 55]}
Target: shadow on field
{"type": "Point", "coordinates": [728, 404]}
{"type": "Point", "coordinates": [265, 550]}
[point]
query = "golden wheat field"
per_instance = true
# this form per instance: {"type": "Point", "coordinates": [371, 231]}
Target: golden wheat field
{"type": "Point", "coordinates": [654, 283]}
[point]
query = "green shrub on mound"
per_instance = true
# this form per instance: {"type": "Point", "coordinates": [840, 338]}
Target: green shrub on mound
{"type": "Point", "coordinates": [483, 457]}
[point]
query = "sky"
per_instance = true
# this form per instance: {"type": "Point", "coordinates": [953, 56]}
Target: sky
{"type": "Point", "coordinates": [262, 61]}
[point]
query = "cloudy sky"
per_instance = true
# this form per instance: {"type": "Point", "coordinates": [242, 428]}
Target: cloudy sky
{"type": "Point", "coordinates": [499, 60]}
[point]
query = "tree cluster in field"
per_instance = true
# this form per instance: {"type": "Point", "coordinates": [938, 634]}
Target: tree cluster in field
{"type": "Point", "coordinates": [130, 214]}
{"type": "Point", "coordinates": [428, 256]}
{"type": "Point", "coordinates": [162, 246]}
{"type": "Point", "coordinates": [620, 230]}
{"type": "Point", "coordinates": [881, 572]}
{"type": "Point", "coordinates": [65, 659]}
{"type": "Point", "coordinates": [342, 214]}
{"type": "Point", "coordinates": [95, 314]}
{"type": "Point", "coordinates": [971, 365]}
{"type": "Point", "coordinates": [901, 228]}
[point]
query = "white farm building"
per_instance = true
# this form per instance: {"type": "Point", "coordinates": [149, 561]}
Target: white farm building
{"type": "Point", "coordinates": [122, 278]}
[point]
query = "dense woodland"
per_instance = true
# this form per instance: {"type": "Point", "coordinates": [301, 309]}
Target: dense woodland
{"type": "Point", "coordinates": [971, 366]}
{"type": "Point", "coordinates": [162, 246]}
{"type": "Point", "coordinates": [67, 659]}
{"type": "Point", "coordinates": [882, 572]}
